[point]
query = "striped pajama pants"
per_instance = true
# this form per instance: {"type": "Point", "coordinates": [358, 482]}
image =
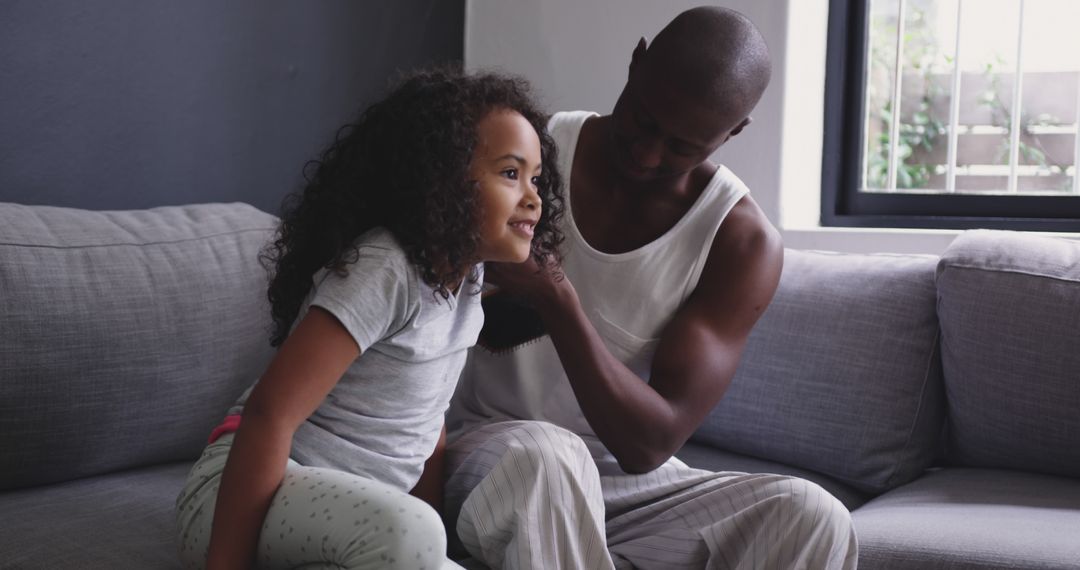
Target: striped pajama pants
{"type": "Point", "coordinates": [528, 494]}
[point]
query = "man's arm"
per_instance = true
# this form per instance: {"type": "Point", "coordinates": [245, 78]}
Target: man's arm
{"type": "Point", "coordinates": [644, 424]}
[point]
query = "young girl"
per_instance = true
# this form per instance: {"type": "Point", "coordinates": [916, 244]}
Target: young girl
{"type": "Point", "coordinates": [375, 298]}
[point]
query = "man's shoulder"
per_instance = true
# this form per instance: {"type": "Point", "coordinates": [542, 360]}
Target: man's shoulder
{"type": "Point", "coordinates": [712, 173]}
{"type": "Point", "coordinates": [565, 126]}
{"type": "Point", "coordinates": [562, 119]}
{"type": "Point", "coordinates": [746, 231]}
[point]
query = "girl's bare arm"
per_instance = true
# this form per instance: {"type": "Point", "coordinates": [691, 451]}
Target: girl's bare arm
{"type": "Point", "coordinates": [308, 365]}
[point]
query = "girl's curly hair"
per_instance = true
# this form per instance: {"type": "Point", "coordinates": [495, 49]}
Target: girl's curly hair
{"type": "Point", "coordinates": [403, 164]}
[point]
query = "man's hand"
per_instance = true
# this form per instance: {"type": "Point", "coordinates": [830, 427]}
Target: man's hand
{"type": "Point", "coordinates": [531, 283]}
{"type": "Point", "coordinates": [644, 423]}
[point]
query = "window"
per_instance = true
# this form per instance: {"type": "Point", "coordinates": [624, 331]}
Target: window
{"type": "Point", "coordinates": [971, 146]}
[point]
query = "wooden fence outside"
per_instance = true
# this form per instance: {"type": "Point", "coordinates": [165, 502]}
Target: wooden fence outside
{"type": "Point", "coordinates": [1048, 123]}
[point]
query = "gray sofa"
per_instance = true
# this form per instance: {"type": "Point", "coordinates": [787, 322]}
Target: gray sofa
{"type": "Point", "coordinates": [937, 398]}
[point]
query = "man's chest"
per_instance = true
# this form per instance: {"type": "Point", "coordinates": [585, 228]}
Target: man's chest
{"type": "Point", "coordinates": [617, 222]}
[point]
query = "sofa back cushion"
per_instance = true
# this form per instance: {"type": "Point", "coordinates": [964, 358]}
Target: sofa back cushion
{"type": "Point", "coordinates": [124, 336]}
{"type": "Point", "coordinates": [841, 375]}
{"type": "Point", "coordinates": [1009, 305]}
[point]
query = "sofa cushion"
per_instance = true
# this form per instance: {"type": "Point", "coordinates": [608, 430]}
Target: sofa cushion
{"type": "Point", "coordinates": [120, 520]}
{"type": "Point", "coordinates": [1009, 305]}
{"type": "Point", "coordinates": [124, 336]}
{"type": "Point", "coordinates": [841, 375]}
{"type": "Point", "coordinates": [710, 458]}
{"type": "Point", "coordinates": [960, 518]}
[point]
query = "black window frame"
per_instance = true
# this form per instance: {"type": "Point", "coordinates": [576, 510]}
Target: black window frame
{"type": "Point", "coordinates": [842, 205]}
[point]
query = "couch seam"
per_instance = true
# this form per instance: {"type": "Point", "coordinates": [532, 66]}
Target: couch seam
{"type": "Point", "coordinates": [918, 410]}
{"type": "Point", "coordinates": [134, 244]}
{"type": "Point", "coordinates": [953, 265]}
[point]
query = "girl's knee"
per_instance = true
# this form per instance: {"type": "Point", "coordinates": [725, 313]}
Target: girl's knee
{"type": "Point", "coordinates": [322, 516]}
{"type": "Point", "coordinates": [409, 534]}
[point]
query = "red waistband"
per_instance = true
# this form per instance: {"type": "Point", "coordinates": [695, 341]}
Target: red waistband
{"type": "Point", "coordinates": [228, 425]}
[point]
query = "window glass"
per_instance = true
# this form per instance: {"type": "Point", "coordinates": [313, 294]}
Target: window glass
{"type": "Point", "coordinates": [988, 34]}
{"type": "Point", "coordinates": [938, 145]}
{"type": "Point", "coordinates": [1051, 81]}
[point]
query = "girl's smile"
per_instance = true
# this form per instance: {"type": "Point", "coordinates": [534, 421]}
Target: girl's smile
{"type": "Point", "coordinates": [524, 227]}
{"type": "Point", "coordinates": [505, 167]}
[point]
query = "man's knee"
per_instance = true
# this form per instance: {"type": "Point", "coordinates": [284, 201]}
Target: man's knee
{"type": "Point", "coordinates": [538, 486]}
{"type": "Point", "coordinates": [546, 447]}
{"type": "Point", "coordinates": [532, 445]}
{"type": "Point", "coordinates": [809, 527]}
{"type": "Point", "coordinates": [794, 506]}
{"type": "Point", "coordinates": [521, 462]}
{"type": "Point", "coordinates": [818, 512]}
{"type": "Point", "coordinates": [825, 527]}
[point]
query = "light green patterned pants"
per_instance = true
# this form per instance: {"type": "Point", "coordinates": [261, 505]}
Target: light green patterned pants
{"type": "Point", "coordinates": [319, 518]}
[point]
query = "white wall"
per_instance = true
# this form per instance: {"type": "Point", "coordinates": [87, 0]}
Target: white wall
{"type": "Point", "coordinates": [800, 145]}
{"type": "Point", "coordinates": [576, 54]}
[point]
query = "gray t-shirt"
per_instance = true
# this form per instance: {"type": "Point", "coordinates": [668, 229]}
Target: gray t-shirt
{"type": "Point", "coordinates": [383, 418]}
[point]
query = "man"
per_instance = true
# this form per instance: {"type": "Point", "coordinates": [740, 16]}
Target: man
{"type": "Point", "coordinates": [560, 452]}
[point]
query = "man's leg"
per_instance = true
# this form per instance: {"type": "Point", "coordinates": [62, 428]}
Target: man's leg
{"type": "Point", "coordinates": [529, 496]}
{"type": "Point", "coordinates": [678, 517]}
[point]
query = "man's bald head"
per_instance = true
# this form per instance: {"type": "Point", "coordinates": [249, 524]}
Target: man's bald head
{"type": "Point", "coordinates": [715, 52]}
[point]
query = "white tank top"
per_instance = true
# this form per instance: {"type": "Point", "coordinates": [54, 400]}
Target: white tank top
{"type": "Point", "coordinates": [629, 298]}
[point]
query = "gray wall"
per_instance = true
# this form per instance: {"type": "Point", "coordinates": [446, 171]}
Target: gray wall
{"type": "Point", "coordinates": [140, 103]}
